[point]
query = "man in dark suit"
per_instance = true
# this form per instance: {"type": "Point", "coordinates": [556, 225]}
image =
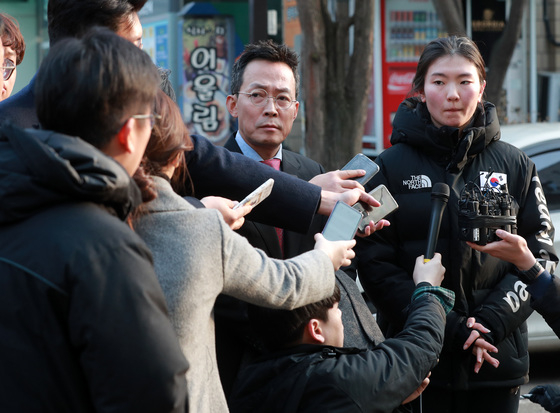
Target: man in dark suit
{"type": "Point", "coordinates": [265, 237]}
{"type": "Point", "coordinates": [265, 86]}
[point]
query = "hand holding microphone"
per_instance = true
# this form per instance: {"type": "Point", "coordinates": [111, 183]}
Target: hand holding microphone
{"type": "Point", "coordinates": [440, 196]}
{"type": "Point", "coordinates": [430, 271]}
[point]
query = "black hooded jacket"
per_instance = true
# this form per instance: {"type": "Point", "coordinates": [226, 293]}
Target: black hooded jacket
{"type": "Point", "coordinates": [317, 378]}
{"type": "Point", "coordinates": [83, 320]}
{"type": "Point", "coordinates": [485, 287]}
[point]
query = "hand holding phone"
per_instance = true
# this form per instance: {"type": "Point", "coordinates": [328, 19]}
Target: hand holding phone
{"type": "Point", "coordinates": [369, 213]}
{"type": "Point", "coordinates": [340, 230]}
{"type": "Point", "coordinates": [360, 161]}
{"type": "Point", "coordinates": [342, 223]}
{"type": "Point", "coordinates": [258, 195]}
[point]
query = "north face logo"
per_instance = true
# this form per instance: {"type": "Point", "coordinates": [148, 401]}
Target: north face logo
{"type": "Point", "coordinates": [417, 182]}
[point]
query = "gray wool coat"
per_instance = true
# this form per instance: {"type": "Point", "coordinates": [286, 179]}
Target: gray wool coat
{"type": "Point", "coordinates": [196, 257]}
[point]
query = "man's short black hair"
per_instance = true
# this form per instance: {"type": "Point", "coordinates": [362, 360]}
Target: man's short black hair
{"type": "Point", "coordinates": [264, 50]}
{"type": "Point", "coordinates": [73, 18]}
{"type": "Point", "coordinates": [89, 87]}
{"type": "Point", "coordinates": [281, 328]}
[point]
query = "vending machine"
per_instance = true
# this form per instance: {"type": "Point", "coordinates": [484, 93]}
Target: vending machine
{"type": "Point", "coordinates": [406, 27]}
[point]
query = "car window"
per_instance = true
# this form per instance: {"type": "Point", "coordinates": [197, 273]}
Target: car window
{"type": "Point", "coordinates": [548, 167]}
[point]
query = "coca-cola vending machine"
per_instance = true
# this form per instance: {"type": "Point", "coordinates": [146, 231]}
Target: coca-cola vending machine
{"type": "Point", "coordinates": [406, 27]}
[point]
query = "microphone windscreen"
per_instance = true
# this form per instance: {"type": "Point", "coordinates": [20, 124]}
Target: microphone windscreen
{"type": "Point", "coordinates": [440, 190]}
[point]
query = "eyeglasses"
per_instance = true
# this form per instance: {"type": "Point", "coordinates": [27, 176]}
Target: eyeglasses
{"type": "Point", "coordinates": [7, 69]}
{"type": "Point", "coordinates": [151, 116]}
{"type": "Point", "coordinates": [259, 97]}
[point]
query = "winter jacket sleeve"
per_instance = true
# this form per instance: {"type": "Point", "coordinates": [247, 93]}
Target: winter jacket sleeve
{"type": "Point", "coordinates": [379, 380]}
{"type": "Point", "coordinates": [217, 171]}
{"type": "Point", "coordinates": [535, 223]}
{"type": "Point", "coordinates": [504, 309]}
{"type": "Point", "coordinates": [128, 348]}
{"type": "Point", "coordinates": [548, 305]}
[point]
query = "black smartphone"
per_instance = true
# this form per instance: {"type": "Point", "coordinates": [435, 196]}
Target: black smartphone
{"type": "Point", "coordinates": [342, 223]}
{"type": "Point", "coordinates": [370, 213]}
{"type": "Point", "coordinates": [360, 161]}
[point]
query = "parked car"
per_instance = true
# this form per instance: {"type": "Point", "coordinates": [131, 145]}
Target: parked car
{"type": "Point", "coordinates": [541, 141]}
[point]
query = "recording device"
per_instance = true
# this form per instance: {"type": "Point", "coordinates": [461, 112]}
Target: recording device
{"type": "Point", "coordinates": [371, 213]}
{"type": "Point", "coordinates": [484, 210]}
{"type": "Point", "coordinates": [258, 195]}
{"type": "Point", "coordinates": [342, 223]}
{"type": "Point", "coordinates": [360, 161]}
{"type": "Point", "coordinates": [440, 196]}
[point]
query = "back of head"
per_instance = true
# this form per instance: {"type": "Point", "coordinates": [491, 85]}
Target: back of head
{"type": "Point", "coordinates": [447, 46]}
{"type": "Point", "coordinates": [284, 328]}
{"type": "Point", "coordinates": [89, 87]}
{"type": "Point", "coordinates": [12, 37]}
{"type": "Point", "coordinates": [264, 50]}
{"type": "Point", "coordinates": [168, 142]}
{"type": "Point", "coordinates": [73, 18]}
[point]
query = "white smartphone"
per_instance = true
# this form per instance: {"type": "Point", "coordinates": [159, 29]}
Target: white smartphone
{"type": "Point", "coordinates": [258, 195]}
{"type": "Point", "coordinates": [342, 223]}
{"type": "Point", "coordinates": [370, 213]}
{"type": "Point", "coordinates": [360, 161]}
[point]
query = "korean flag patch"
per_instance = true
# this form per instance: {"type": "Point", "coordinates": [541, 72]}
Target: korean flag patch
{"type": "Point", "coordinates": [493, 181]}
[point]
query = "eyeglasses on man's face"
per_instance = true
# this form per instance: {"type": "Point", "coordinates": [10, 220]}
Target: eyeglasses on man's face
{"type": "Point", "coordinates": [259, 97]}
{"type": "Point", "coordinates": [7, 69]}
{"type": "Point", "coordinates": [151, 116]}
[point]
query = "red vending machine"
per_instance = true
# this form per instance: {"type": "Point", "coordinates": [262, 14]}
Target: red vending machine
{"type": "Point", "coordinates": [406, 27]}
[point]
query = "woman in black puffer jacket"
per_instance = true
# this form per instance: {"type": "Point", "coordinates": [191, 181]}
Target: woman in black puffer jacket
{"type": "Point", "coordinates": [447, 133]}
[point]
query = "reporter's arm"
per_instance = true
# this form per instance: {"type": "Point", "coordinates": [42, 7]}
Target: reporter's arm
{"type": "Point", "coordinates": [216, 171]}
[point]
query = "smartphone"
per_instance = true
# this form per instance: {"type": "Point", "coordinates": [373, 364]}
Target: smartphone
{"type": "Point", "coordinates": [342, 223]}
{"type": "Point", "coordinates": [258, 195]}
{"type": "Point", "coordinates": [370, 213]}
{"type": "Point", "coordinates": [360, 161]}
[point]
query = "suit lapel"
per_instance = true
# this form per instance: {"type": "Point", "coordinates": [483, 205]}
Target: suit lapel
{"type": "Point", "coordinates": [292, 240]}
{"type": "Point", "coordinates": [269, 238]}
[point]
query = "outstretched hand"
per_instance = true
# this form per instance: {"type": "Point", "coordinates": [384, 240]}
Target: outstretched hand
{"type": "Point", "coordinates": [340, 252]}
{"type": "Point", "coordinates": [350, 197]}
{"type": "Point", "coordinates": [511, 248]}
{"type": "Point", "coordinates": [431, 271]}
{"type": "Point", "coordinates": [372, 227]}
{"type": "Point", "coordinates": [339, 181]}
{"type": "Point", "coordinates": [233, 217]}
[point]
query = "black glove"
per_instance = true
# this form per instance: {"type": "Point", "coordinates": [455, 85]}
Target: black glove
{"type": "Point", "coordinates": [548, 396]}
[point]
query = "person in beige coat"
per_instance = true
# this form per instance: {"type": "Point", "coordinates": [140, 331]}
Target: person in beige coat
{"type": "Point", "coordinates": [197, 257]}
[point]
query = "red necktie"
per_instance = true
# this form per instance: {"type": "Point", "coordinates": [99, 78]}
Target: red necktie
{"type": "Point", "coordinates": [275, 163]}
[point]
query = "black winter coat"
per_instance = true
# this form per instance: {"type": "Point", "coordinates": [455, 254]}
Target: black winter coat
{"type": "Point", "coordinates": [83, 319]}
{"type": "Point", "coordinates": [485, 287]}
{"type": "Point", "coordinates": [314, 378]}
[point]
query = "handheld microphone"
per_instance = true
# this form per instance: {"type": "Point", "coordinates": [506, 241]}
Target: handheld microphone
{"type": "Point", "coordinates": [440, 196]}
